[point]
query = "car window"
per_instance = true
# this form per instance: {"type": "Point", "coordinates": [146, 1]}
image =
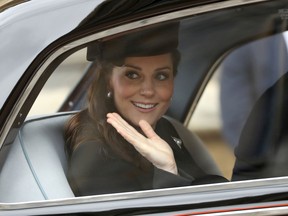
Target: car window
{"type": "Point", "coordinates": [225, 113]}
{"type": "Point", "coordinates": [213, 94]}
{"type": "Point", "coordinates": [207, 123]}
{"type": "Point", "coordinates": [60, 84]}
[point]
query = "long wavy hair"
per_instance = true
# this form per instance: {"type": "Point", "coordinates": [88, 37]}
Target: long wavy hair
{"type": "Point", "coordinates": [90, 125]}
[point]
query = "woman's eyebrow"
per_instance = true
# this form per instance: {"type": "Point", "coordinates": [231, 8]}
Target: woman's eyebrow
{"type": "Point", "coordinates": [132, 66]}
{"type": "Point", "coordinates": [164, 68]}
{"type": "Point", "coordinates": [139, 68]}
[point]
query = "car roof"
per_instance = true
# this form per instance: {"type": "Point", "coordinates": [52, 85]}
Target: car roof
{"type": "Point", "coordinates": [26, 31]}
{"type": "Point", "coordinates": [28, 24]}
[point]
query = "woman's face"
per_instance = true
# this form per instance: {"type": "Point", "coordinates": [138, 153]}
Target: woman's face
{"type": "Point", "coordinates": [143, 87]}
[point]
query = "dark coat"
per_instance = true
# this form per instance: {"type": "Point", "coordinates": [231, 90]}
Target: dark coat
{"type": "Point", "coordinates": [93, 170]}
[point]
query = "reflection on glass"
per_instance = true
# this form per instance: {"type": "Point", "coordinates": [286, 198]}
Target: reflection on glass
{"type": "Point", "coordinates": [252, 105]}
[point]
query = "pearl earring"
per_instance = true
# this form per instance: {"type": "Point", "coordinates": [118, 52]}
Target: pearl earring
{"type": "Point", "coordinates": [109, 94]}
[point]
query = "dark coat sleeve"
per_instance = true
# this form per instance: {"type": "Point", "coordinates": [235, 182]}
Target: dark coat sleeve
{"type": "Point", "coordinates": [163, 179]}
{"type": "Point", "coordinates": [92, 171]}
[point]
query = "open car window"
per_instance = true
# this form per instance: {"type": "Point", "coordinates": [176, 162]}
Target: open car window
{"type": "Point", "coordinates": [225, 113]}
{"type": "Point", "coordinates": [61, 84]}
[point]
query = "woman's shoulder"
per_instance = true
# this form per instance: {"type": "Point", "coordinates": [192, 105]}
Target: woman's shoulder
{"type": "Point", "coordinates": [165, 127]}
{"type": "Point", "coordinates": [92, 149]}
{"type": "Point", "coordinates": [164, 122]}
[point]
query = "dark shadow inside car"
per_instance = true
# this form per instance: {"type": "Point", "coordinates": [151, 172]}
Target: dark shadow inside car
{"type": "Point", "coordinates": [262, 150]}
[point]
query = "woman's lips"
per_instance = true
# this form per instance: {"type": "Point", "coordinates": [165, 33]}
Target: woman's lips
{"type": "Point", "coordinates": [146, 107]}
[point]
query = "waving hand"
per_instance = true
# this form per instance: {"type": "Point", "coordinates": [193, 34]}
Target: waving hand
{"type": "Point", "coordinates": [152, 147]}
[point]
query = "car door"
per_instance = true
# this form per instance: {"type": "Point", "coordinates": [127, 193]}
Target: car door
{"type": "Point", "coordinates": [52, 86]}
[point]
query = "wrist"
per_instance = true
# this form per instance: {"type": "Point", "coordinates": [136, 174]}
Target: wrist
{"type": "Point", "coordinates": [172, 168]}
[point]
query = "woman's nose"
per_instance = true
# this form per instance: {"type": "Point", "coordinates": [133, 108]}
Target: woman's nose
{"type": "Point", "coordinates": [147, 88]}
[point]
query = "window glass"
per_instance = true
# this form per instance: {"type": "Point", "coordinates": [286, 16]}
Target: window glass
{"type": "Point", "coordinates": [60, 84]}
{"type": "Point", "coordinates": [239, 110]}
{"type": "Point", "coordinates": [207, 123]}
{"type": "Point", "coordinates": [253, 103]}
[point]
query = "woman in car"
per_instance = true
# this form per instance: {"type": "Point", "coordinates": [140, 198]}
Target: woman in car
{"type": "Point", "coordinates": [121, 142]}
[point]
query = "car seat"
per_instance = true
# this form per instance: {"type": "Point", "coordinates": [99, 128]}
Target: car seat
{"type": "Point", "coordinates": [36, 165]}
{"type": "Point", "coordinates": [262, 149]}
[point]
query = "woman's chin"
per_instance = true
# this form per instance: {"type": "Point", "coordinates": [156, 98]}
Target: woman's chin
{"type": "Point", "coordinates": [135, 121]}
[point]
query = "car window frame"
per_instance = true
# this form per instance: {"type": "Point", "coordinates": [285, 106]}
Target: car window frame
{"type": "Point", "coordinates": [18, 115]}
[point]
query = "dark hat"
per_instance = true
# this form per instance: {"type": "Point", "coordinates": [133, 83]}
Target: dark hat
{"type": "Point", "coordinates": [147, 41]}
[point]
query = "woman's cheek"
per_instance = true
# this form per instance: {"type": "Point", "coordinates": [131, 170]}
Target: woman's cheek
{"type": "Point", "coordinates": [166, 92]}
{"type": "Point", "coordinates": [126, 90]}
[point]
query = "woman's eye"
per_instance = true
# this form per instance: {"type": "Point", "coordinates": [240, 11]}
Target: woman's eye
{"type": "Point", "coordinates": [132, 75]}
{"type": "Point", "coordinates": [162, 76]}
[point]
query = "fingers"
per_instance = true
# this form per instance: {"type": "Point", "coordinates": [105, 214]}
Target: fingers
{"type": "Point", "coordinates": [123, 128]}
{"type": "Point", "coordinates": [129, 132]}
{"type": "Point", "coordinates": [147, 129]}
{"type": "Point", "coordinates": [117, 122]}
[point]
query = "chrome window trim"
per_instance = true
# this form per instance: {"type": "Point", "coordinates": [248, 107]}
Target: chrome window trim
{"type": "Point", "coordinates": [264, 211]}
{"type": "Point", "coordinates": [201, 90]}
{"type": "Point", "coordinates": [280, 182]}
{"type": "Point", "coordinates": [195, 194]}
{"type": "Point", "coordinates": [257, 210]}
